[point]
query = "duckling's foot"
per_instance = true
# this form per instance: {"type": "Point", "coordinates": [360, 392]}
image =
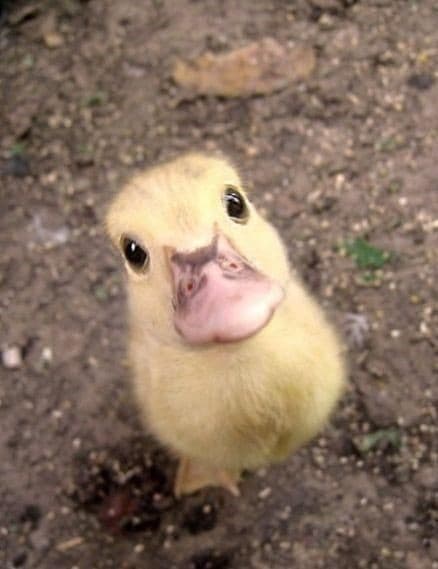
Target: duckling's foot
{"type": "Point", "coordinates": [192, 476]}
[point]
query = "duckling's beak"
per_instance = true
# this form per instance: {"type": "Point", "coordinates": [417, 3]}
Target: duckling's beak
{"type": "Point", "coordinates": [218, 295]}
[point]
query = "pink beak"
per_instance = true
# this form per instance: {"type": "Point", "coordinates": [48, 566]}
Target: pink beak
{"type": "Point", "coordinates": [219, 296]}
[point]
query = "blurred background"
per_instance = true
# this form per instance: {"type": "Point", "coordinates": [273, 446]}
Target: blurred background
{"type": "Point", "coordinates": [330, 109]}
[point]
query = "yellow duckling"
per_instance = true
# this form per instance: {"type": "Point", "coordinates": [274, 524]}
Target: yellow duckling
{"type": "Point", "coordinates": [234, 364]}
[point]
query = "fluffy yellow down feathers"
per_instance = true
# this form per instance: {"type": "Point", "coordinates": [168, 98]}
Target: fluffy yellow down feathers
{"type": "Point", "coordinates": [233, 363]}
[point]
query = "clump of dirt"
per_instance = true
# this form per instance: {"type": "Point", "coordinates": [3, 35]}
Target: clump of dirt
{"type": "Point", "coordinates": [202, 517]}
{"type": "Point", "coordinates": [427, 516]}
{"type": "Point", "coordinates": [31, 515]}
{"type": "Point", "coordinates": [210, 559]}
{"type": "Point", "coordinates": [129, 490]}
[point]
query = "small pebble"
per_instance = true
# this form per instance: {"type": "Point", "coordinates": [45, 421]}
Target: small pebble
{"type": "Point", "coordinates": [285, 514]}
{"type": "Point", "coordinates": [47, 354]}
{"type": "Point", "coordinates": [53, 40]}
{"type": "Point", "coordinates": [265, 493]}
{"type": "Point", "coordinates": [424, 329]}
{"type": "Point", "coordinates": [11, 357]}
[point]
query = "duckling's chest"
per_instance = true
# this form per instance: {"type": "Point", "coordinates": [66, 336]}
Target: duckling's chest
{"type": "Point", "coordinates": [200, 400]}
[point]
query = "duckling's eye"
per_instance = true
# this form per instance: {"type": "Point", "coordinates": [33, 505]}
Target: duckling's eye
{"type": "Point", "coordinates": [135, 254]}
{"type": "Point", "coordinates": [235, 205]}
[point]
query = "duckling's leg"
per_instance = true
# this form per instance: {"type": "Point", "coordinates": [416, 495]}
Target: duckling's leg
{"type": "Point", "coordinates": [192, 476]}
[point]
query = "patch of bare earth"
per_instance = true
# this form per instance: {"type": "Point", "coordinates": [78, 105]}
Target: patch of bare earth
{"type": "Point", "coordinates": [348, 151]}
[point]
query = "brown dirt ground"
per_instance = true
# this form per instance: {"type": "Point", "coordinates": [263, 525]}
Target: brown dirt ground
{"type": "Point", "coordinates": [351, 152]}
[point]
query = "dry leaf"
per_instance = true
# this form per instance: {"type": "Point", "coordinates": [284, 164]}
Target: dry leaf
{"type": "Point", "coordinates": [259, 68]}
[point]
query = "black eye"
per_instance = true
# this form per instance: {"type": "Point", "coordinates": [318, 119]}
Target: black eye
{"type": "Point", "coordinates": [236, 205]}
{"type": "Point", "coordinates": [134, 253]}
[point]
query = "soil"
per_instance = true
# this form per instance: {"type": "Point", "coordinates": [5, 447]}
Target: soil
{"type": "Point", "coordinates": [86, 99]}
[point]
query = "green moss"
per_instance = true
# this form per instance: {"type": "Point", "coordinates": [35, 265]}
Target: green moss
{"type": "Point", "coordinates": [388, 437]}
{"type": "Point", "coordinates": [365, 255]}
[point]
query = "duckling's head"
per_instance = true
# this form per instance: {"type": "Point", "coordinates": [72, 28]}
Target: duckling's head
{"type": "Point", "coordinates": [203, 266]}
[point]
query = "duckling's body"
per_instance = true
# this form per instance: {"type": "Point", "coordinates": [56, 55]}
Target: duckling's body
{"type": "Point", "coordinates": [242, 369]}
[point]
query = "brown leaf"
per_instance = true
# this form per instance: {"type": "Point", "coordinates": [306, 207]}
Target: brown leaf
{"type": "Point", "coordinates": [259, 68]}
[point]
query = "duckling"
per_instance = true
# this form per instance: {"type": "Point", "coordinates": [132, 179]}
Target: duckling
{"type": "Point", "coordinates": [234, 365]}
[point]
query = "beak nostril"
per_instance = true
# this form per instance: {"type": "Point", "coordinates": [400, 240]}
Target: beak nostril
{"type": "Point", "coordinates": [189, 286]}
{"type": "Point", "coordinates": [228, 265]}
